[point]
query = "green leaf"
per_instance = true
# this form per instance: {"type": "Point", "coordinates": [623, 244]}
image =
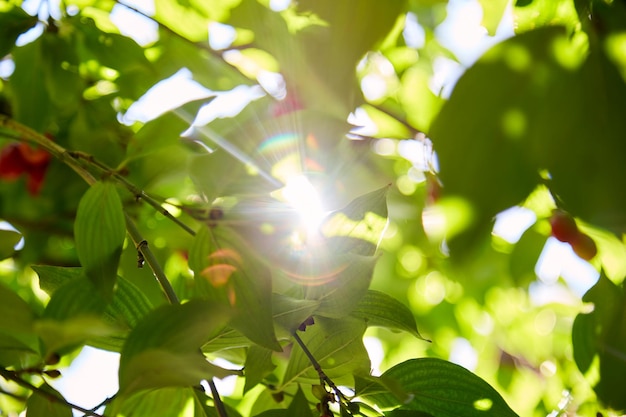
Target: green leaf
{"type": "Point", "coordinates": [380, 309]}
{"type": "Point", "coordinates": [13, 22]}
{"type": "Point", "coordinates": [8, 240]}
{"type": "Point", "coordinates": [493, 10]}
{"type": "Point", "coordinates": [486, 155]}
{"type": "Point", "coordinates": [442, 389]}
{"type": "Point", "coordinates": [258, 365]}
{"type": "Point", "coordinates": [19, 352]}
{"type": "Point", "coordinates": [99, 231]}
{"type": "Point", "coordinates": [187, 19]}
{"type": "Point", "coordinates": [603, 332]}
{"type": "Point", "coordinates": [31, 103]}
{"type": "Point", "coordinates": [299, 405]}
{"type": "Point", "coordinates": [161, 402]}
{"type": "Point", "coordinates": [73, 316]}
{"type": "Point", "coordinates": [337, 345]}
{"type": "Point", "coordinates": [15, 314]}
{"type": "Point", "coordinates": [39, 404]}
{"type": "Point", "coordinates": [226, 271]}
{"type": "Point", "coordinates": [161, 132]}
{"type": "Point", "coordinates": [164, 348]}
{"type": "Point", "coordinates": [128, 306]}
{"type": "Point", "coordinates": [525, 255]}
{"type": "Point", "coordinates": [62, 79]}
{"type": "Point", "coordinates": [289, 312]}
{"type": "Point", "coordinates": [344, 285]}
{"type": "Point", "coordinates": [359, 226]}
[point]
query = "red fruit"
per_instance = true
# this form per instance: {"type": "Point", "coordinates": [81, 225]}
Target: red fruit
{"type": "Point", "coordinates": [584, 246]}
{"type": "Point", "coordinates": [19, 158]}
{"type": "Point", "coordinates": [563, 226]}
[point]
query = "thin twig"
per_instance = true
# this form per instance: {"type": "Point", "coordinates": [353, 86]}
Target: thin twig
{"type": "Point", "coordinates": [323, 377]}
{"type": "Point", "coordinates": [150, 259]}
{"type": "Point", "coordinates": [12, 376]}
{"type": "Point", "coordinates": [217, 401]}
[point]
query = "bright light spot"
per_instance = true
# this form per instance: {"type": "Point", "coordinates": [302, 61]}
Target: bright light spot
{"type": "Point", "coordinates": [511, 224]}
{"type": "Point", "coordinates": [279, 5]}
{"type": "Point", "coordinates": [166, 95]}
{"type": "Point", "coordinates": [484, 404]}
{"type": "Point", "coordinates": [302, 196]}
{"type": "Point", "coordinates": [557, 259]}
{"type": "Point", "coordinates": [132, 24]}
{"type": "Point", "coordinates": [374, 87]}
{"type": "Point", "coordinates": [227, 385]}
{"type": "Point", "coordinates": [273, 83]}
{"type": "Point", "coordinates": [431, 288]}
{"type": "Point", "coordinates": [545, 321]}
{"type": "Point", "coordinates": [547, 368]}
{"type": "Point", "coordinates": [91, 378]}
{"type": "Point", "coordinates": [7, 66]}
{"type": "Point", "coordinates": [411, 258]}
{"type": "Point", "coordinates": [221, 36]}
{"type": "Point", "coordinates": [376, 353]}
{"type": "Point", "coordinates": [385, 147]}
{"type": "Point", "coordinates": [462, 353]}
{"type": "Point", "coordinates": [364, 125]}
{"type": "Point", "coordinates": [419, 152]}
{"type": "Point", "coordinates": [228, 104]}
{"type": "Point", "coordinates": [414, 34]}
{"type": "Point", "coordinates": [446, 74]}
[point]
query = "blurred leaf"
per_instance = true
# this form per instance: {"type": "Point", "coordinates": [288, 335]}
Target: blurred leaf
{"type": "Point", "coordinates": [602, 332]}
{"type": "Point", "coordinates": [299, 405]}
{"type": "Point", "coordinates": [289, 312]}
{"type": "Point", "coordinates": [31, 103]}
{"type": "Point", "coordinates": [51, 278]}
{"type": "Point", "coordinates": [13, 22]}
{"type": "Point", "coordinates": [213, 173]}
{"type": "Point", "coordinates": [63, 81]}
{"type": "Point", "coordinates": [337, 346]}
{"type": "Point", "coordinates": [161, 402]}
{"type": "Point", "coordinates": [246, 287]}
{"type": "Point", "coordinates": [530, 15]}
{"type": "Point", "coordinates": [380, 309]}
{"type": "Point", "coordinates": [15, 314]}
{"type": "Point", "coordinates": [40, 405]}
{"type": "Point", "coordinates": [8, 240]}
{"type": "Point", "coordinates": [99, 231]}
{"type": "Point", "coordinates": [163, 349]}
{"type": "Point", "coordinates": [359, 226]}
{"type": "Point", "coordinates": [442, 389]}
{"type": "Point", "coordinates": [525, 255]}
{"type": "Point", "coordinates": [343, 286]}
{"type": "Point", "coordinates": [418, 100]}
{"type": "Point", "coordinates": [19, 352]}
{"type": "Point", "coordinates": [161, 132]}
{"type": "Point", "coordinates": [493, 10]}
{"type": "Point", "coordinates": [188, 19]}
{"type": "Point", "coordinates": [258, 365]}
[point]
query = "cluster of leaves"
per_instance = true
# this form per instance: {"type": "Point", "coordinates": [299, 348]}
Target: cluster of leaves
{"type": "Point", "coordinates": [173, 256]}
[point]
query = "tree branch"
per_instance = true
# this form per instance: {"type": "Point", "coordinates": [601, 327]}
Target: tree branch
{"type": "Point", "coordinates": [12, 376]}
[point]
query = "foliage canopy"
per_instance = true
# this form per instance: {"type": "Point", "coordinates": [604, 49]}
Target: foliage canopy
{"type": "Point", "coordinates": [191, 236]}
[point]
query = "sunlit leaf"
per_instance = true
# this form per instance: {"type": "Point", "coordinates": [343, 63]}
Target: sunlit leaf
{"type": "Point", "coordinates": [493, 10]}
{"type": "Point", "coordinates": [380, 309]}
{"type": "Point", "coordinates": [337, 346]}
{"type": "Point", "coordinates": [161, 132]}
{"type": "Point", "coordinates": [442, 389]}
{"type": "Point", "coordinates": [99, 232]}
{"type": "Point", "coordinates": [525, 255]}
{"type": "Point", "coordinates": [344, 286]}
{"type": "Point", "coordinates": [163, 401]}
{"type": "Point", "coordinates": [258, 365]}
{"type": "Point", "coordinates": [359, 226]}
{"type": "Point", "coordinates": [40, 404]}
{"type": "Point", "coordinates": [249, 289]}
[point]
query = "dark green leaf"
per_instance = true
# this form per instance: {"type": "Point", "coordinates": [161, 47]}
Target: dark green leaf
{"type": "Point", "coordinates": [13, 22]}
{"type": "Point", "coordinates": [19, 351]}
{"type": "Point", "coordinates": [8, 240]}
{"type": "Point", "coordinates": [40, 404]}
{"type": "Point", "coordinates": [337, 345]}
{"type": "Point", "coordinates": [51, 278]}
{"type": "Point", "coordinates": [99, 232]}
{"type": "Point", "coordinates": [289, 312]}
{"type": "Point", "coordinates": [299, 405]}
{"type": "Point", "coordinates": [525, 255]}
{"type": "Point", "coordinates": [442, 389]}
{"type": "Point", "coordinates": [380, 309]}
{"type": "Point", "coordinates": [603, 332]}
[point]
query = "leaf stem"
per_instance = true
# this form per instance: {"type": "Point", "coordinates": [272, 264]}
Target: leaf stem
{"type": "Point", "coordinates": [12, 376]}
